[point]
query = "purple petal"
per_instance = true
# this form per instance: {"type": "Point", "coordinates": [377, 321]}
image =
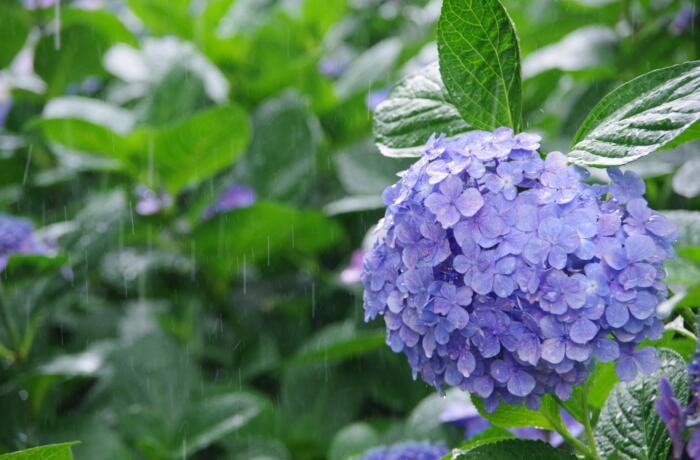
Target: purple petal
{"type": "Point", "coordinates": [644, 305]}
{"type": "Point", "coordinates": [639, 247]}
{"type": "Point", "coordinates": [647, 360]}
{"type": "Point", "coordinates": [617, 314]}
{"type": "Point", "coordinates": [469, 202]}
{"type": "Point", "coordinates": [553, 351]}
{"type": "Point", "coordinates": [451, 187]}
{"type": "Point", "coordinates": [500, 371]}
{"type": "Point", "coordinates": [606, 350]}
{"type": "Point", "coordinates": [483, 386]}
{"type": "Point", "coordinates": [583, 331]}
{"type": "Point", "coordinates": [521, 383]}
{"type": "Point", "coordinates": [466, 364]}
{"type": "Point", "coordinates": [626, 369]}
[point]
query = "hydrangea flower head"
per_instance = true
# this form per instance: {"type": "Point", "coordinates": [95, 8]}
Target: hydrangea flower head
{"type": "Point", "coordinates": [506, 275]}
{"type": "Point", "coordinates": [17, 237]}
{"type": "Point", "coordinates": [409, 450]}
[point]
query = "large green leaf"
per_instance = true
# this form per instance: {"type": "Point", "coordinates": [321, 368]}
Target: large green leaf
{"type": "Point", "coordinates": [640, 117]}
{"type": "Point", "coordinates": [629, 427]}
{"type": "Point", "coordinates": [174, 156]}
{"type": "Point", "coordinates": [362, 172]}
{"type": "Point", "coordinates": [600, 381]}
{"type": "Point", "coordinates": [371, 66]}
{"type": "Point", "coordinates": [214, 417]}
{"type": "Point", "coordinates": [165, 16]}
{"type": "Point", "coordinates": [352, 441]}
{"type": "Point", "coordinates": [50, 452]}
{"type": "Point", "coordinates": [76, 52]}
{"type": "Point", "coordinates": [507, 416]}
{"type": "Point", "coordinates": [480, 62]}
{"type": "Point", "coordinates": [512, 449]}
{"type": "Point", "coordinates": [337, 342]}
{"type": "Point", "coordinates": [15, 23]}
{"type": "Point", "coordinates": [195, 148]}
{"type": "Point", "coordinates": [77, 56]}
{"type": "Point", "coordinates": [85, 136]}
{"type": "Point", "coordinates": [416, 108]}
{"type": "Point", "coordinates": [281, 161]}
{"type": "Point", "coordinates": [256, 234]}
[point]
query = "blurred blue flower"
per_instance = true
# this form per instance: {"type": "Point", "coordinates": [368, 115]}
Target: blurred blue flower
{"type": "Point", "coordinates": [683, 20]}
{"type": "Point", "coordinates": [17, 237]}
{"type": "Point", "coordinates": [377, 96]}
{"type": "Point", "coordinates": [506, 275]}
{"type": "Point", "coordinates": [151, 202]}
{"type": "Point", "coordinates": [676, 417]}
{"type": "Point", "coordinates": [235, 197]}
{"type": "Point", "coordinates": [351, 274]}
{"type": "Point", "coordinates": [409, 450]}
{"type": "Point", "coordinates": [673, 415]}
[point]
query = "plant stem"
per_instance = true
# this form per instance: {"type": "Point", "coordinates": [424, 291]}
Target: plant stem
{"type": "Point", "coordinates": [587, 424]}
{"type": "Point", "coordinates": [575, 443]}
{"type": "Point", "coordinates": [9, 324]}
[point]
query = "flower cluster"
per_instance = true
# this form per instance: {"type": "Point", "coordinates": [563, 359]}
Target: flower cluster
{"type": "Point", "coordinates": [17, 237]}
{"type": "Point", "coordinates": [406, 450]}
{"type": "Point", "coordinates": [505, 274]}
{"type": "Point", "coordinates": [678, 418]}
{"type": "Point", "coordinates": [234, 197]}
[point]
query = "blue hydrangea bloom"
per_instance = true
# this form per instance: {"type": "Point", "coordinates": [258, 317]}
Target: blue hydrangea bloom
{"type": "Point", "coordinates": [17, 237]}
{"type": "Point", "coordinates": [234, 197]}
{"type": "Point", "coordinates": [409, 450]}
{"type": "Point", "coordinates": [506, 275]}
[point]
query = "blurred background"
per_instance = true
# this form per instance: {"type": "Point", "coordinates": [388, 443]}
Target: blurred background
{"type": "Point", "coordinates": [185, 188]}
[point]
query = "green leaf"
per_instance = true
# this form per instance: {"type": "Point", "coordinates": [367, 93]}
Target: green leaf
{"type": "Point", "coordinates": [50, 452]}
{"type": "Point", "coordinates": [415, 109]}
{"type": "Point", "coordinates": [215, 417]}
{"type": "Point", "coordinates": [281, 161]}
{"type": "Point", "coordinates": [513, 449]}
{"type": "Point", "coordinates": [195, 148]}
{"type": "Point", "coordinates": [589, 48]}
{"type": "Point", "coordinates": [85, 136]}
{"type": "Point", "coordinates": [362, 172]}
{"type": "Point", "coordinates": [424, 421]}
{"type": "Point", "coordinates": [600, 382]}
{"type": "Point", "coordinates": [353, 440]}
{"type": "Point", "coordinates": [91, 110]}
{"type": "Point", "coordinates": [77, 56]}
{"type": "Point", "coordinates": [337, 342]}
{"type": "Point", "coordinates": [628, 425]}
{"type": "Point", "coordinates": [77, 51]}
{"type": "Point", "coordinates": [488, 436]}
{"type": "Point", "coordinates": [507, 416]}
{"type": "Point", "coordinates": [165, 16]}
{"type": "Point", "coordinates": [371, 66]}
{"type": "Point", "coordinates": [640, 117]}
{"type": "Point", "coordinates": [15, 24]}
{"type": "Point", "coordinates": [480, 62]}
{"type": "Point", "coordinates": [229, 241]}
{"type": "Point", "coordinates": [103, 23]}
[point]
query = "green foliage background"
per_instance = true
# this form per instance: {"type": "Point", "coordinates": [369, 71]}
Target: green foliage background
{"type": "Point", "coordinates": [166, 336]}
